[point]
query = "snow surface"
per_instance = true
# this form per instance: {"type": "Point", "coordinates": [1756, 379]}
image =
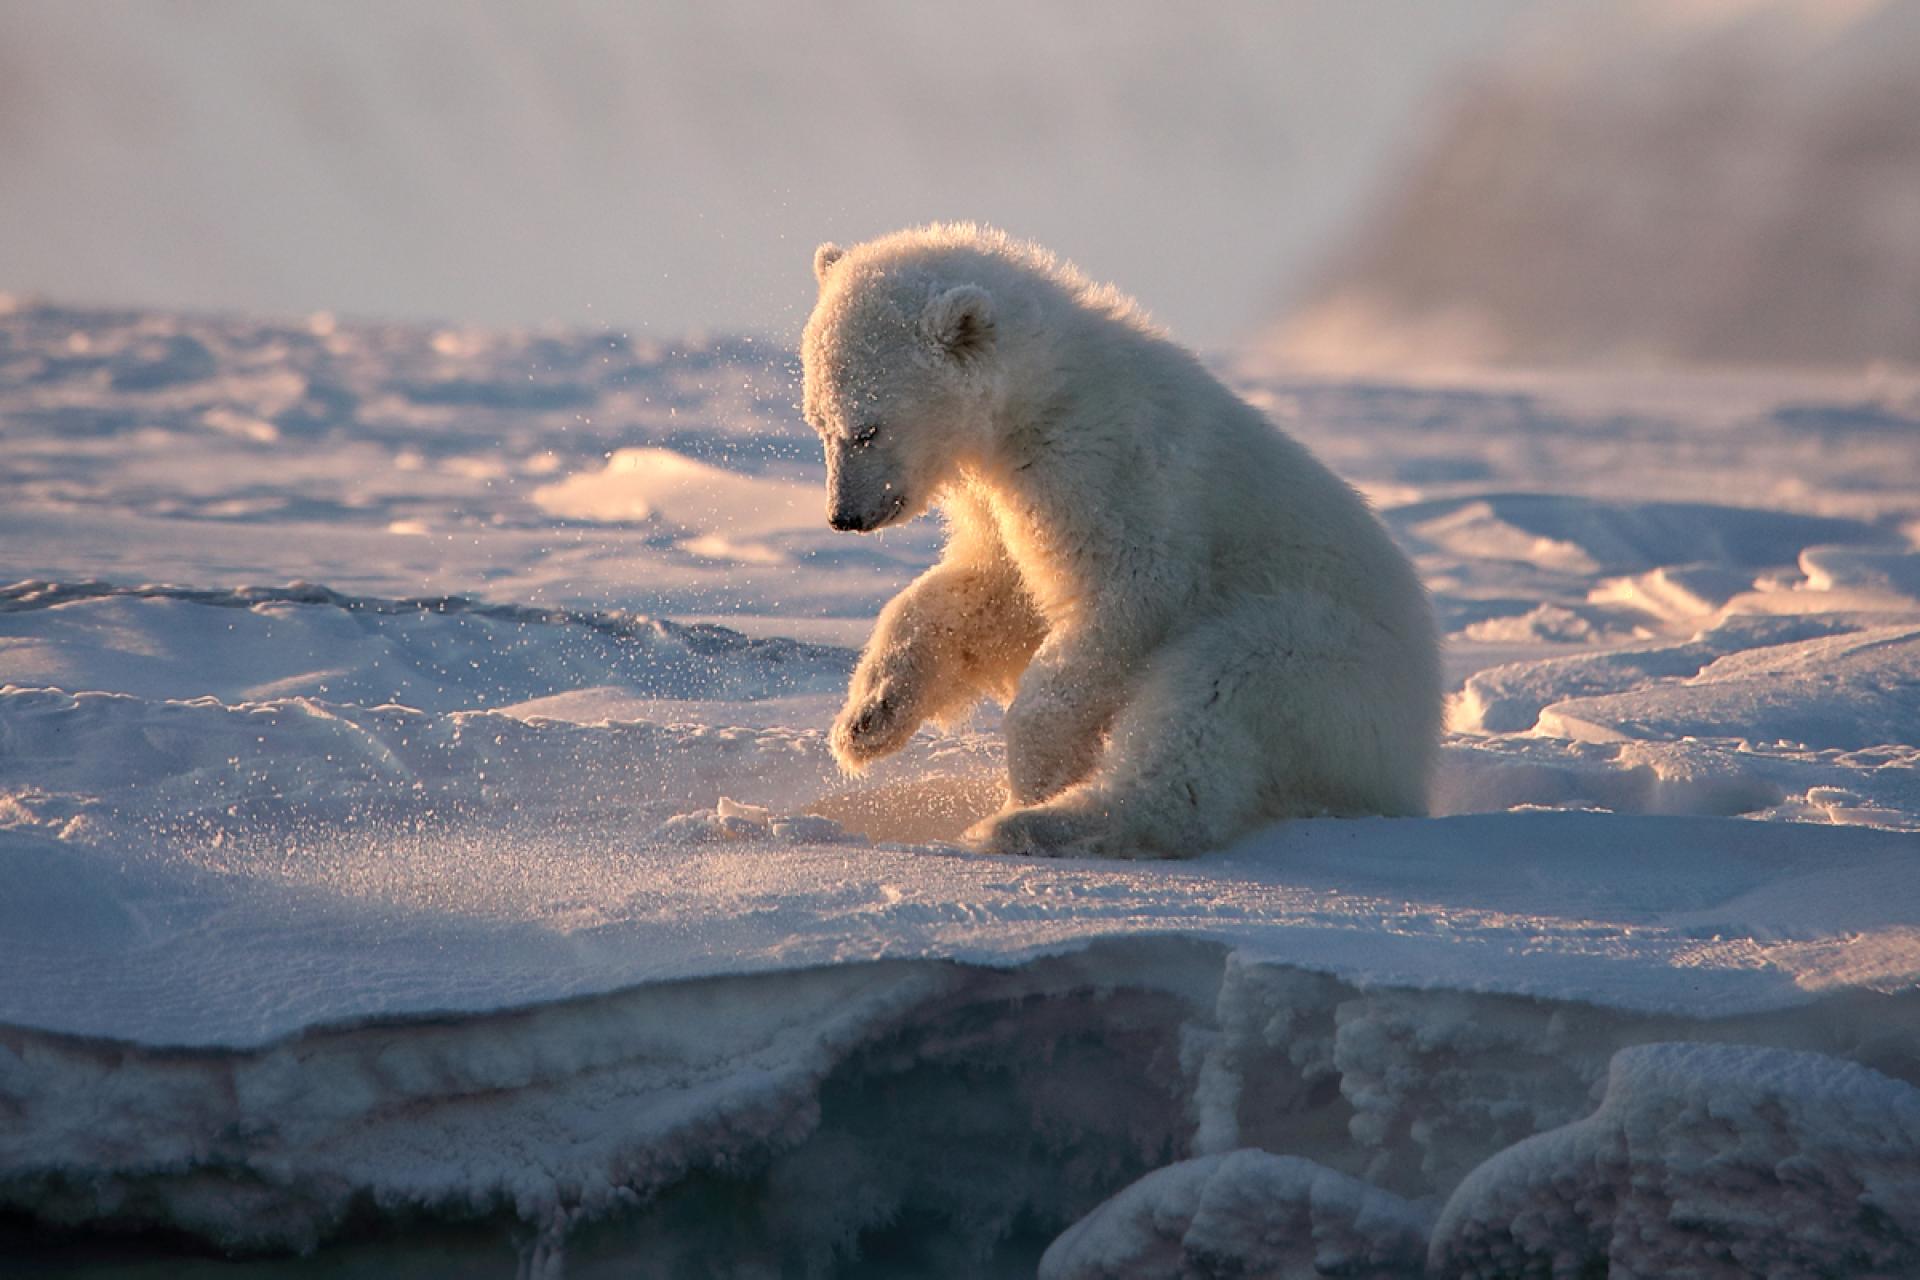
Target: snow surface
{"type": "Point", "coordinates": [414, 802]}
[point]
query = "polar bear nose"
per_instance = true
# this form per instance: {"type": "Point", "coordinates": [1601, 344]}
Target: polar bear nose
{"type": "Point", "coordinates": [845, 521]}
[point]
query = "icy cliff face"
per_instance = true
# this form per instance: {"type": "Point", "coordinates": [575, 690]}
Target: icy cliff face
{"type": "Point", "coordinates": [1246, 1212]}
{"type": "Point", "coordinates": [447, 899]}
{"type": "Point", "coordinates": [1707, 1159]}
{"type": "Point", "coordinates": [1703, 1160]}
{"type": "Point", "coordinates": [965, 1114]}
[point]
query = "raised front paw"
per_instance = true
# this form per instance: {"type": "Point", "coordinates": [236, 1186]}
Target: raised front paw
{"type": "Point", "coordinates": [877, 723]}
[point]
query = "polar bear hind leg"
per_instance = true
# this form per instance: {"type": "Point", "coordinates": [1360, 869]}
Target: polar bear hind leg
{"type": "Point", "coordinates": [1288, 706]}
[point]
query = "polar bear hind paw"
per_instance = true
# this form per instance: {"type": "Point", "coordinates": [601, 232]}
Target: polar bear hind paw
{"type": "Point", "coordinates": [1048, 831]}
{"type": "Point", "coordinates": [1033, 833]}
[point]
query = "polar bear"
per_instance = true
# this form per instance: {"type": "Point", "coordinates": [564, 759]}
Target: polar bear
{"type": "Point", "coordinates": [1194, 625]}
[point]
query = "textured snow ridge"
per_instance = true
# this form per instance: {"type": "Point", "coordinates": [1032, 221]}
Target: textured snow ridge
{"type": "Point", "coordinates": [1756, 666]}
{"type": "Point", "coordinates": [1245, 1118]}
{"type": "Point", "coordinates": [1244, 1213]}
{"type": "Point", "coordinates": [126, 766]}
{"type": "Point", "coordinates": [1705, 1160]}
{"type": "Point", "coordinates": [430, 653]}
{"type": "Point", "coordinates": [1556, 532]}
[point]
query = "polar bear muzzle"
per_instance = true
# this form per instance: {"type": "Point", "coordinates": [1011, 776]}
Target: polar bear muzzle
{"type": "Point", "coordinates": [864, 490]}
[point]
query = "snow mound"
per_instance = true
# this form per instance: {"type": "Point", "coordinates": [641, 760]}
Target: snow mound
{"type": "Point", "coordinates": [1878, 786]}
{"type": "Point", "coordinates": [1704, 1160]}
{"type": "Point", "coordinates": [1243, 1213]}
{"type": "Point", "coordinates": [1677, 594]}
{"type": "Point", "coordinates": [1893, 574]}
{"type": "Point", "coordinates": [1512, 698]}
{"type": "Point", "coordinates": [658, 484]}
{"type": "Point", "coordinates": [1572, 535]}
{"type": "Point", "coordinates": [1846, 692]}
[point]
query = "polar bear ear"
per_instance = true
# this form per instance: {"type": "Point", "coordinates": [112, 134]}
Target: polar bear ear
{"type": "Point", "coordinates": [823, 259]}
{"type": "Point", "coordinates": [959, 322]}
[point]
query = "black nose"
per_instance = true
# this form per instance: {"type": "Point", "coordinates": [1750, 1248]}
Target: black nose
{"type": "Point", "coordinates": [845, 521]}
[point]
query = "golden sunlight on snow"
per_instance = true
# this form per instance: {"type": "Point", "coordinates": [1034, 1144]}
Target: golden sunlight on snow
{"type": "Point", "coordinates": [658, 484]}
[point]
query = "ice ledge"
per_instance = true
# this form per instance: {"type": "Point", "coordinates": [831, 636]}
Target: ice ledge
{"type": "Point", "coordinates": [800, 1109]}
{"type": "Point", "coordinates": [158, 943]}
{"type": "Point", "coordinates": [1700, 918]}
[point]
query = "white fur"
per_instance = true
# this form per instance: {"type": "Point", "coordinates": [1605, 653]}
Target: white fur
{"type": "Point", "coordinates": [1196, 625]}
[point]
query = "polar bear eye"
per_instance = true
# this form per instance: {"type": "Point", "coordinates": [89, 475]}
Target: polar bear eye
{"type": "Point", "coordinates": [865, 435]}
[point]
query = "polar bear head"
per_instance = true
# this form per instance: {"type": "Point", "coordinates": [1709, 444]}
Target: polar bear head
{"type": "Point", "coordinates": [899, 357]}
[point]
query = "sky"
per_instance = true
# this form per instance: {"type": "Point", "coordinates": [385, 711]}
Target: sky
{"type": "Point", "coordinates": [1709, 183]}
{"type": "Point", "coordinates": [669, 168]}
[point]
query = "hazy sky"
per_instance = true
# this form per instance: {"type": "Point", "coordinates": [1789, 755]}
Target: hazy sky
{"type": "Point", "coordinates": [670, 167]}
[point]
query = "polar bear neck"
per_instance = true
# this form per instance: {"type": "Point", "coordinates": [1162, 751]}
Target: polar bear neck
{"type": "Point", "coordinates": [1060, 466]}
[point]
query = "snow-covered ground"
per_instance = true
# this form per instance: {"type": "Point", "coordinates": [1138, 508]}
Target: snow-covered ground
{"type": "Point", "coordinates": [418, 843]}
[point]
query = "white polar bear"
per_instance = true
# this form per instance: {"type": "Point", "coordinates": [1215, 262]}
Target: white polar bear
{"type": "Point", "coordinates": [1196, 626]}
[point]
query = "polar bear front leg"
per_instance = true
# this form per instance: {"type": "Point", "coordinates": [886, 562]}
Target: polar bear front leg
{"type": "Point", "coordinates": [883, 707]}
{"type": "Point", "coordinates": [1055, 727]}
{"type": "Point", "coordinates": [958, 631]}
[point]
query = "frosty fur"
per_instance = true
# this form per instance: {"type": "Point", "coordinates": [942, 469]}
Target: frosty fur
{"type": "Point", "coordinates": [1196, 626]}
